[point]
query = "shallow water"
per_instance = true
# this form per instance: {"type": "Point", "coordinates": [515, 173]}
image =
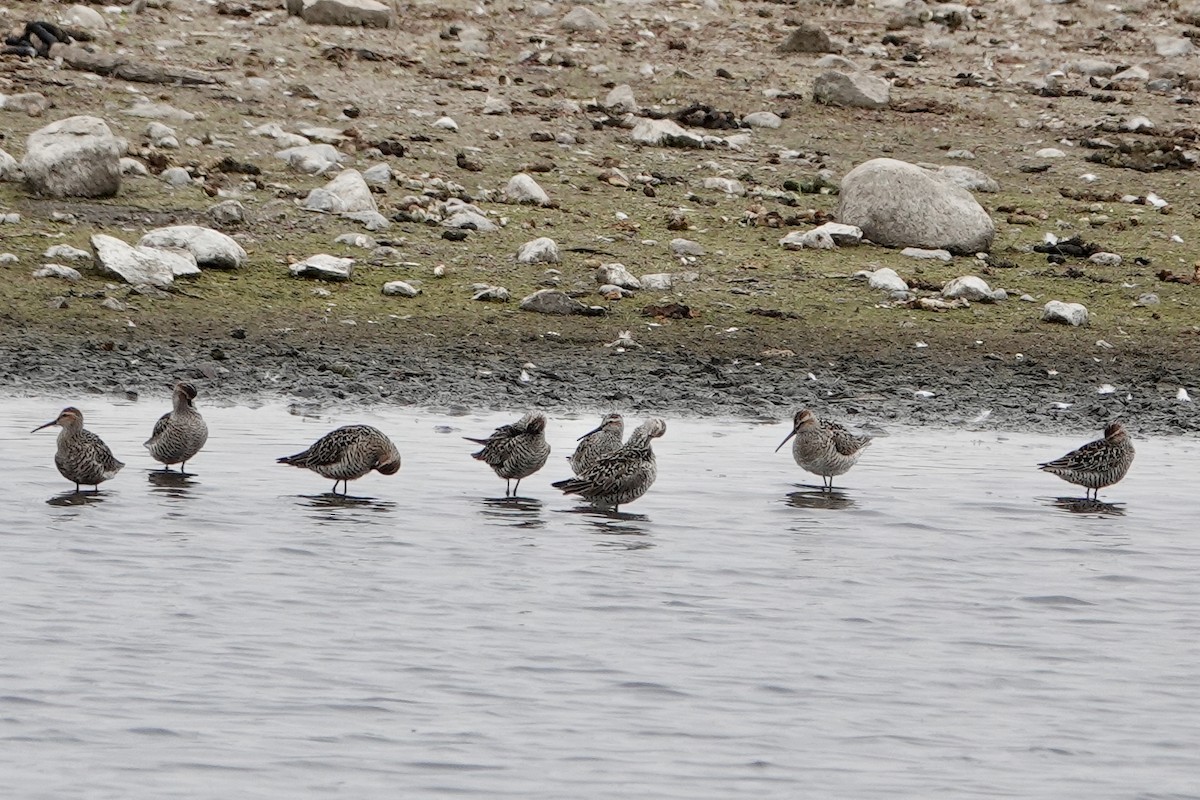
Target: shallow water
{"type": "Point", "coordinates": [940, 626]}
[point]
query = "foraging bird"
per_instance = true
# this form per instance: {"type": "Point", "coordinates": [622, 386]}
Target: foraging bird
{"type": "Point", "coordinates": [597, 443]}
{"type": "Point", "coordinates": [82, 457]}
{"type": "Point", "coordinates": [1097, 464]}
{"type": "Point", "coordinates": [180, 433]}
{"type": "Point", "coordinates": [823, 448]}
{"type": "Point", "coordinates": [623, 475]}
{"type": "Point", "coordinates": [515, 451]}
{"type": "Point", "coordinates": [348, 453]}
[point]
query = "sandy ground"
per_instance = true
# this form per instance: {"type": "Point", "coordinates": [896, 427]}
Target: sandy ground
{"type": "Point", "coordinates": [832, 343]}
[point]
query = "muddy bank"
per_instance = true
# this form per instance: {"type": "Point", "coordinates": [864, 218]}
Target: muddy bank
{"type": "Point", "coordinates": [881, 386]}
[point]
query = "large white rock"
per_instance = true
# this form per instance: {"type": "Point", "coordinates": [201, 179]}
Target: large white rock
{"type": "Point", "coordinates": [311, 159]}
{"type": "Point", "coordinates": [74, 157]}
{"type": "Point", "coordinates": [141, 266]}
{"type": "Point", "coordinates": [617, 275]}
{"type": "Point", "coordinates": [58, 271]}
{"type": "Point", "coordinates": [762, 119]}
{"type": "Point", "coordinates": [621, 99]}
{"type": "Point", "coordinates": [522, 188]}
{"type": "Point", "coordinates": [210, 248]}
{"type": "Point", "coordinates": [1074, 314]}
{"type": "Point", "coordinates": [347, 192]}
{"type": "Point", "coordinates": [324, 267]}
{"type": "Point", "coordinates": [551, 301]}
{"type": "Point", "coordinates": [897, 204]}
{"type": "Point", "coordinates": [543, 250]}
{"type": "Point", "coordinates": [354, 13]}
{"type": "Point", "coordinates": [851, 90]}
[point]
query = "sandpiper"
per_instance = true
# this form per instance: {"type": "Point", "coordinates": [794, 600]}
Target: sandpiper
{"type": "Point", "coordinates": [1097, 464]}
{"type": "Point", "coordinates": [515, 451]}
{"type": "Point", "coordinates": [348, 453]}
{"type": "Point", "coordinates": [180, 433]}
{"type": "Point", "coordinates": [597, 443]}
{"type": "Point", "coordinates": [82, 457]}
{"type": "Point", "coordinates": [623, 475]}
{"type": "Point", "coordinates": [823, 448]}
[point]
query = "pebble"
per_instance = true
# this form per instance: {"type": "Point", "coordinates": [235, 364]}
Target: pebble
{"type": "Point", "coordinates": [1105, 259]}
{"type": "Point", "coordinates": [177, 177]}
{"type": "Point", "coordinates": [446, 124]}
{"type": "Point", "coordinates": [65, 252]}
{"type": "Point", "coordinates": [57, 271]}
{"type": "Point", "coordinates": [923, 253]}
{"type": "Point", "coordinates": [1050, 152]}
{"type": "Point", "coordinates": [400, 289]}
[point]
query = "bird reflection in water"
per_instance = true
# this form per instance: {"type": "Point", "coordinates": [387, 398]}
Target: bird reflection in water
{"type": "Point", "coordinates": [1090, 505]}
{"type": "Point", "coordinates": [171, 484]}
{"type": "Point", "coordinates": [811, 497]}
{"type": "Point", "coordinates": [337, 507]}
{"type": "Point", "coordinates": [616, 523]}
{"type": "Point", "coordinates": [520, 512]}
{"type": "Point", "coordinates": [76, 498]}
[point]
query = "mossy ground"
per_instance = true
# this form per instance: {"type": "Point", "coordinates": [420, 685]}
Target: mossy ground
{"type": "Point", "coordinates": [744, 267]}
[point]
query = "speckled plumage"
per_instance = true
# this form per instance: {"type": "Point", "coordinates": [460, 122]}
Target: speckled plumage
{"type": "Point", "coordinates": [82, 457]}
{"type": "Point", "coordinates": [597, 443]}
{"type": "Point", "coordinates": [1097, 464]}
{"type": "Point", "coordinates": [515, 451]}
{"type": "Point", "coordinates": [623, 475]}
{"type": "Point", "coordinates": [823, 448]}
{"type": "Point", "coordinates": [180, 433]}
{"type": "Point", "coordinates": [347, 454]}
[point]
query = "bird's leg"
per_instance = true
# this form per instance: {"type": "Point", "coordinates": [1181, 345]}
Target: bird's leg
{"type": "Point", "coordinates": [517, 488]}
{"type": "Point", "coordinates": [76, 488]}
{"type": "Point", "coordinates": [507, 484]}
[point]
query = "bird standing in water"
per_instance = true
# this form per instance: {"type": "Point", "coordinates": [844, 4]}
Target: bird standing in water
{"type": "Point", "coordinates": [623, 475]}
{"type": "Point", "coordinates": [597, 443]}
{"type": "Point", "coordinates": [180, 433]}
{"type": "Point", "coordinates": [348, 453]}
{"type": "Point", "coordinates": [82, 456]}
{"type": "Point", "coordinates": [1097, 464]}
{"type": "Point", "coordinates": [823, 448]}
{"type": "Point", "coordinates": [515, 451]}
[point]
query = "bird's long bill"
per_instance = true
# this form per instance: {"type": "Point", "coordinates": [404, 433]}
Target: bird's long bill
{"type": "Point", "coordinates": [47, 425]}
{"type": "Point", "coordinates": [785, 440]}
{"type": "Point", "coordinates": [589, 433]}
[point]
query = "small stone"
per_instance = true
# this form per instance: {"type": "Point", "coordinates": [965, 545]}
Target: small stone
{"type": "Point", "coordinates": [378, 175]}
{"type": "Point", "coordinates": [808, 39]}
{"type": "Point", "coordinates": [969, 287]}
{"type": "Point", "coordinates": [176, 177]}
{"type": "Point", "coordinates": [885, 279]}
{"type": "Point", "coordinates": [925, 253]}
{"type": "Point", "coordinates": [583, 20]}
{"type": "Point", "coordinates": [112, 304]}
{"type": "Point", "coordinates": [1135, 124]}
{"type": "Point", "coordinates": [543, 250]}
{"type": "Point", "coordinates": [65, 252]}
{"type": "Point", "coordinates": [472, 220]}
{"type": "Point", "coordinates": [762, 119]}
{"type": "Point", "coordinates": [8, 258]}
{"type": "Point", "coordinates": [1173, 46]}
{"type": "Point", "coordinates": [490, 294]}
{"type": "Point", "coordinates": [1105, 259]}
{"type": "Point", "coordinates": [211, 249]}
{"type": "Point", "coordinates": [851, 90]}
{"type": "Point", "coordinates": [1074, 314]}
{"type": "Point", "coordinates": [446, 124]}
{"type": "Point", "coordinates": [227, 213]}
{"type": "Point", "coordinates": [1050, 152]}
{"type": "Point", "coordinates": [496, 106]}
{"type": "Point", "coordinates": [1148, 299]}
{"type": "Point", "coordinates": [621, 99]}
{"type": "Point", "coordinates": [311, 159]}
{"type": "Point", "coordinates": [400, 289]}
{"type": "Point", "coordinates": [324, 267]}
{"type": "Point", "coordinates": [807, 240]}
{"type": "Point", "coordinates": [522, 188]}
{"type": "Point", "coordinates": [551, 301]}
{"type": "Point", "coordinates": [686, 247]}
{"type": "Point", "coordinates": [57, 271]}
{"type": "Point", "coordinates": [160, 135]}
{"type": "Point", "coordinates": [726, 185]}
{"type": "Point", "coordinates": [133, 167]}
{"type": "Point", "coordinates": [617, 275]}
{"type": "Point", "coordinates": [356, 240]}
{"type": "Point", "coordinates": [656, 282]}
{"type": "Point", "coordinates": [665, 133]}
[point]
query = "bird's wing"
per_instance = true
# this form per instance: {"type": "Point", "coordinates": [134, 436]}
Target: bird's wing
{"type": "Point", "coordinates": [844, 441]}
{"type": "Point", "coordinates": [1081, 456]}
{"type": "Point", "coordinates": [159, 427]}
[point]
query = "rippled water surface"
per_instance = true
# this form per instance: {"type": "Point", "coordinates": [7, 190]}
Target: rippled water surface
{"type": "Point", "coordinates": [942, 626]}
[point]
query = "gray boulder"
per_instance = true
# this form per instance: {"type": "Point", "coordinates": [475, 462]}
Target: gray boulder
{"type": "Point", "coordinates": [324, 267]}
{"type": "Point", "coordinates": [227, 213]}
{"type": "Point", "coordinates": [466, 218]}
{"type": "Point", "coordinates": [311, 159]}
{"type": "Point", "coordinates": [973, 288]}
{"type": "Point", "coordinates": [400, 289]}
{"type": "Point", "coordinates": [583, 20]}
{"type": "Point", "coordinates": [522, 188]}
{"type": "Point", "coordinates": [617, 275]}
{"type": "Point", "coordinates": [74, 157]}
{"type": "Point", "coordinates": [141, 266]}
{"type": "Point", "coordinates": [897, 204]}
{"type": "Point", "coordinates": [58, 271]}
{"type": "Point", "coordinates": [551, 301]}
{"type": "Point", "coordinates": [851, 90]}
{"type": "Point", "coordinates": [210, 248]}
{"type": "Point", "coordinates": [664, 133]}
{"type": "Point", "coordinates": [10, 170]}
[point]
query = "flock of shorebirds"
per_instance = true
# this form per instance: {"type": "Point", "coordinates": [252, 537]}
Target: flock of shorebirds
{"type": "Point", "coordinates": [609, 471]}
